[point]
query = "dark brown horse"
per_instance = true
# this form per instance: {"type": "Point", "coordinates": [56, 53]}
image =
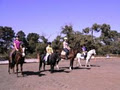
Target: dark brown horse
{"type": "Point", "coordinates": [71, 56]}
{"type": "Point", "coordinates": [17, 59]}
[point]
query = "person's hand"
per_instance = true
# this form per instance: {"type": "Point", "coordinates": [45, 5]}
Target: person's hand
{"type": "Point", "coordinates": [16, 49]}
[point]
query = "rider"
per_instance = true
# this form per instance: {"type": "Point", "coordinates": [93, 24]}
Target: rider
{"type": "Point", "coordinates": [17, 46]}
{"type": "Point", "coordinates": [84, 50]}
{"type": "Point", "coordinates": [49, 51]}
{"type": "Point", "coordinates": [66, 47]}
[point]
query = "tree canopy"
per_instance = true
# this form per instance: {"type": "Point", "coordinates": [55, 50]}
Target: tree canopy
{"type": "Point", "coordinates": [108, 41]}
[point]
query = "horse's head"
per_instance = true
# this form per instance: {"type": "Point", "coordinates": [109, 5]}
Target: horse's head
{"type": "Point", "coordinates": [22, 51]}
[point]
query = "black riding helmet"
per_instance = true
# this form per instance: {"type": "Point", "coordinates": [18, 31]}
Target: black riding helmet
{"type": "Point", "coordinates": [17, 37]}
{"type": "Point", "coordinates": [49, 43]}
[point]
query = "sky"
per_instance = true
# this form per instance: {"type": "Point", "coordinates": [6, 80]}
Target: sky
{"type": "Point", "coordinates": [47, 17]}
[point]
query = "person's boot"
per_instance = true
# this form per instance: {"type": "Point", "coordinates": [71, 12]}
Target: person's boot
{"type": "Point", "coordinates": [45, 62]}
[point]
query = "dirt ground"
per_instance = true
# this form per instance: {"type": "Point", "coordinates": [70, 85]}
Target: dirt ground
{"type": "Point", "coordinates": [104, 74]}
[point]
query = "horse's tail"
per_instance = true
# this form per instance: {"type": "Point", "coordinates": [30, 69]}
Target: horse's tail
{"type": "Point", "coordinates": [11, 62]}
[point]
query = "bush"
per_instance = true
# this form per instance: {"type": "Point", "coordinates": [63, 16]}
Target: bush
{"type": "Point", "coordinates": [4, 57]}
{"type": "Point", "coordinates": [34, 55]}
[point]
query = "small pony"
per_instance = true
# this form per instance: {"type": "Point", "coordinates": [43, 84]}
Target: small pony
{"type": "Point", "coordinates": [89, 56]}
{"type": "Point", "coordinates": [53, 60]}
{"type": "Point", "coordinates": [18, 59]}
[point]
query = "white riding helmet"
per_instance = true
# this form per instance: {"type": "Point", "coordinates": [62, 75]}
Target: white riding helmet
{"type": "Point", "coordinates": [65, 38]}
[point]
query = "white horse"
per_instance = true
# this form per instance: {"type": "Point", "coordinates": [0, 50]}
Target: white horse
{"type": "Point", "coordinates": [89, 55]}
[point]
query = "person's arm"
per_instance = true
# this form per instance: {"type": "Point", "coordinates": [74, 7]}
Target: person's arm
{"type": "Point", "coordinates": [47, 49]}
{"type": "Point", "coordinates": [68, 47]}
{"type": "Point", "coordinates": [52, 50]}
{"type": "Point", "coordinates": [15, 47]}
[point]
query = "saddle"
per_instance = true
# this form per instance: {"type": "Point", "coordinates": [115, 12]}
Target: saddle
{"type": "Point", "coordinates": [48, 58]}
{"type": "Point", "coordinates": [63, 54]}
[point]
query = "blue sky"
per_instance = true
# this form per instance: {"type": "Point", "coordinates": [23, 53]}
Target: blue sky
{"type": "Point", "coordinates": [46, 17]}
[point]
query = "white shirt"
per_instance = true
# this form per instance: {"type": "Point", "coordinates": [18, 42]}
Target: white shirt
{"type": "Point", "coordinates": [65, 44]}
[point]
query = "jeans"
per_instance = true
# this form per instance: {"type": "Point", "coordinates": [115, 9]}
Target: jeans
{"type": "Point", "coordinates": [66, 50]}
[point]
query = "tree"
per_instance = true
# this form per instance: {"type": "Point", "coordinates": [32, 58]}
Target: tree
{"type": "Point", "coordinates": [33, 39]}
{"type": "Point", "coordinates": [41, 46]}
{"type": "Point", "coordinates": [105, 34]}
{"type": "Point", "coordinates": [57, 44]}
{"type": "Point", "coordinates": [44, 39]}
{"type": "Point", "coordinates": [22, 37]}
{"type": "Point", "coordinates": [86, 30]}
{"type": "Point", "coordinates": [67, 30]}
{"type": "Point", "coordinates": [95, 27]}
{"type": "Point", "coordinates": [6, 36]}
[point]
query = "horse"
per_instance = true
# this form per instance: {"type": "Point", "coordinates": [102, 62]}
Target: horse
{"type": "Point", "coordinates": [88, 57]}
{"type": "Point", "coordinates": [17, 59]}
{"type": "Point", "coordinates": [53, 60]}
{"type": "Point", "coordinates": [71, 56]}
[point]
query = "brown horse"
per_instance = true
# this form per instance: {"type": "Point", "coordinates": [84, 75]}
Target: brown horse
{"type": "Point", "coordinates": [71, 56]}
{"type": "Point", "coordinates": [17, 59]}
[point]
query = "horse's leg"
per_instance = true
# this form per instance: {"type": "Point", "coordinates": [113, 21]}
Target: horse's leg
{"type": "Point", "coordinates": [9, 66]}
{"type": "Point", "coordinates": [79, 62]}
{"type": "Point", "coordinates": [40, 65]}
{"type": "Point", "coordinates": [13, 69]}
{"type": "Point", "coordinates": [76, 61]}
{"type": "Point", "coordinates": [57, 64]}
{"type": "Point", "coordinates": [57, 67]}
{"type": "Point", "coordinates": [88, 61]}
{"type": "Point", "coordinates": [71, 64]}
{"type": "Point", "coordinates": [52, 68]}
{"type": "Point", "coordinates": [21, 65]}
{"type": "Point", "coordinates": [17, 69]}
{"type": "Point", "coordinates": [44, 67]}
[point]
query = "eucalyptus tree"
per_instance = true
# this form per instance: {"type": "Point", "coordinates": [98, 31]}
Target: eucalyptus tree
{"type": "Point", "coordinates": [95, 28]}
{"type": "Point", "coordinates": [67, 30]}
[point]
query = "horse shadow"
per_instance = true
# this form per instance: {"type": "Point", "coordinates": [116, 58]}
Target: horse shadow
{"type": "Point", "coordinates": [30, 73]}
{"type": "Point", "coordinates": [87, 68]}
{"type": "Point", "coordinates": [77, 67]}
{"type": "Point", "coordinates": [61, 70]}
{"type": "Point", "coordinates": [83, 67]}
{"type": "Point", "coordinates": [95, 65]}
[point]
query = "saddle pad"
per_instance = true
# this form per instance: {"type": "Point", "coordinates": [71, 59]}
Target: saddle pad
{"type": "Point", "coordinates": [63, 53]}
